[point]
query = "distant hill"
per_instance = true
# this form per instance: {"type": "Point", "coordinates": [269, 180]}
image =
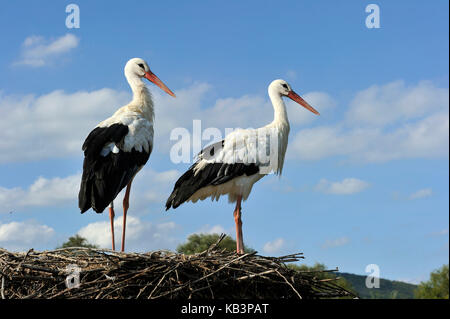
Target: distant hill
{"type": "Point", "coordinates": [389, 289]}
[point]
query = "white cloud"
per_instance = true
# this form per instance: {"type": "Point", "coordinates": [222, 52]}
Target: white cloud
{"type": "Point", "coordinates": [21, 236]}
{"type": "Point", "coordinates": [381, 105]}
{"type": "Point", "coordinates": [216, 229]}
{"type": "Point", "coordinates": [238, 112]}
{"type": "Point", "coordinates": [171, 113]}
{"type": "Point", "coordinates": [56, 124]}
{"type": "Point", "coordinates": [38, 51]}
{"type": "Point", "coordinates": [225, 113]}
{"type": "Point", "coordinates": [43, 192]}
{"type": "Point", "coordinates": [141, 235]}
{"type": "Point", "coordinates": [149, 186]}
{"type": "Point", "coordinates": [384, 123]}
{"type": "Point", "coordinates": [345, 187]}
{"type": "Point", "coordinates": [52, 125]}
{"type": "Point", "coordinates": [425, 138]}
{"type": "Point", "coordinates": [332, 243]}
{"type": "Point", "coordinates": [274, 246]}
{"type": "Point", "coordinates": [179, 112]}
{"type": "Point", "coordinates": [422, 193]}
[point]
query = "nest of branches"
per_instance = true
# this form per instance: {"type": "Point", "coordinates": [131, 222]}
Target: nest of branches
{"type": "Point", "coordinates": [105, 274]}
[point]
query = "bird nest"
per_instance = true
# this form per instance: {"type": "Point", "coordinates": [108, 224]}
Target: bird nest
{"type": "Point", "coordinates": [105, 274]}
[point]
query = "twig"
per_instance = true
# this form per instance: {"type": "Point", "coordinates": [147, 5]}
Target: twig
{"type": "Point", "coordinates": [287, 281]}
{"type": "Point", "coordinates": [213, 273]}
{"type": "Point", "coordinates": [2, 289]}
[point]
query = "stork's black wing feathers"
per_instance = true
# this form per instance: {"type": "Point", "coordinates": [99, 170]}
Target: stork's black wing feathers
{"type": "Point", "coordinates": [105, 176]}
{"type": "Point", "coordinates": [100, 136]}
{"type": "Point", "coordinates": [212, 174]}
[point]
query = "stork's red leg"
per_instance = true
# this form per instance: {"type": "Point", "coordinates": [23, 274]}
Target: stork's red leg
{"type": "Point", "coordinates": [126, 205]}
{"type": "Point", "coordinates": [111, 217]}
{"type": "Point", "coordinates": [238, 221]}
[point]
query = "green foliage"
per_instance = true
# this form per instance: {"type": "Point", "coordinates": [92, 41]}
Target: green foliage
{"type": "Point", "coordinates": [197, 243]}
{"type": "Point", "coordinates": [77, 241]}
{"type": "Point", "coordinates": [342, 282]}
{"type": "Point", "coordinates": [388, 289]}
{"type": "Point", "coordinates": [436, 287]}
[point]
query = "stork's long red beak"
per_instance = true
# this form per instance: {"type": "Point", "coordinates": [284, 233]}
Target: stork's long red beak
{"type": "Point", "coordinates": [153, 78]}
{"type": "Point", "coordinates": [297, 98]}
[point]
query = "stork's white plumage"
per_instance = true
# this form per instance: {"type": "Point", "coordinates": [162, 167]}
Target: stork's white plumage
{"type": "Point", "coordinates": [234, 164]}
{"type": "Point", "coordinates": [119, 147]}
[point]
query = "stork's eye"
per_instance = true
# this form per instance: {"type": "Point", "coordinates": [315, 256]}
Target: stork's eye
{"type": "Point", "coordinates": [285, 86]}
{"type": "Point", "coordinates": [142, 66]}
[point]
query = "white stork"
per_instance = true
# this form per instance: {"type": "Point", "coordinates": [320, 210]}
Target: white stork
{"type": "Point", "coordinates": [119, 147]}
{"type": "Point", "coordinates": [234, 164]}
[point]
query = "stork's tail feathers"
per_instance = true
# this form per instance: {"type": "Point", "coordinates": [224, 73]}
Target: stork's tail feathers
{"type": "Point", "coordinates": [183, 189]}
{"type": "Point", "coordinates": [170, 201]}
{"type": "Point", "coordinates": [88, 197]}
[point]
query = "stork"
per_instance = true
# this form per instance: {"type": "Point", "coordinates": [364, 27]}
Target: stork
{"type": "Point", "coordinates": [231, 167]}
{"type": "Point", "coordinates": [118, 147]}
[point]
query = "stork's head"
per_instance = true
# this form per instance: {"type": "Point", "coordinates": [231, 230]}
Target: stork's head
{"type": "Point", "coordinates": [137, 67]}
{"type": "Point", "coordinates": [283, 88]}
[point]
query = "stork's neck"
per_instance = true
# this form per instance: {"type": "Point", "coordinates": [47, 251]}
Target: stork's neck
{"type": "Point", "coordinates": [142, 98]}
{"type": "Point", "coordinates": [281, 124]}
{"type": "Point", "coordinates": [279, 108]}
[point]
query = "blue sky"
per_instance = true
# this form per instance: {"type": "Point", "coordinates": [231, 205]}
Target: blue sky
{"type": "Point", "coordinates": [364, 183]}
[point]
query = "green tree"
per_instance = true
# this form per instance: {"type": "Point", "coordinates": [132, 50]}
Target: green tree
{"type": "Point", "coordinates": [77, 241]}
{"type": "Point", "coordinates": [341, 282]}
{"type": "Point", "coordinates": [436, 287]}
{"type": "Point", "coordinates": [197, 243]}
